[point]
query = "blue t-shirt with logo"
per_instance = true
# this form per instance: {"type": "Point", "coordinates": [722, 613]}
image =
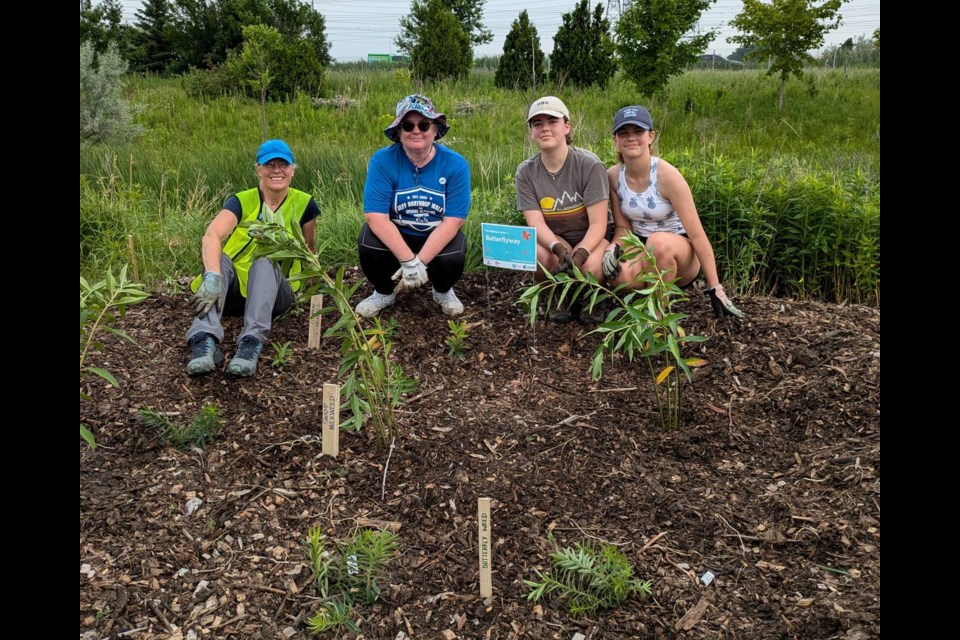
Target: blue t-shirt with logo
{"type": "Point", "coordinates": [417, 199]}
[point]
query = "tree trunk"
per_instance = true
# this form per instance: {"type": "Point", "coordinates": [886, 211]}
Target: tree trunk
{"type": "Point", "coordinates": [783, 91]}
{"type": "Point", "coordinates": [263, 111]}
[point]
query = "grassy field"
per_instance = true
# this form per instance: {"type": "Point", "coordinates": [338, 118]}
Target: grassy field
{"type": "Point", "coordinates": [791, 199]}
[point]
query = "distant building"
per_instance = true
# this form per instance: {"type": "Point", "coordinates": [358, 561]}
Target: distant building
{"type": "Point", "coordinates": [379, 57]}
{"type": "Point", "coordinates": [713, 61]}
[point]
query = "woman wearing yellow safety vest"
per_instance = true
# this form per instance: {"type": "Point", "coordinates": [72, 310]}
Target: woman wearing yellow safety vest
{"type": "Point", "coordinates": [233, 283]}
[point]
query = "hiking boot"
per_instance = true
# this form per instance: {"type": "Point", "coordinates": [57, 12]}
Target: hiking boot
{"type": "Point", "coordinates": [590, 316]}
{"type": "Point", "coordinates": [449, 302]}
{"type": "Point", "coordinates": [560, 314]}
{"type": "Point", "coordinates": [205, 354]}
{"type": "Point", "coordinates": [369, 307]}
{"type": "Point", "coordinates": [244, 363]}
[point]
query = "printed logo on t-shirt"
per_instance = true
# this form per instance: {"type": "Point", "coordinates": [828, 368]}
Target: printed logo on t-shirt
{"type": "Point", "coordinates": [565, 204]}
{"type": "Point", "coordinates": [419, 209]}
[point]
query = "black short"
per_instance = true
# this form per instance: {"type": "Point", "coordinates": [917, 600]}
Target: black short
{"type": "Point", "coordinates": [645, 238]}
{"type": "Point", "coordinates": [689, 284]}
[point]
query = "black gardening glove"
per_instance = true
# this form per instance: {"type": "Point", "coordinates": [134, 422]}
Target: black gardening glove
{"type": "Point", "coordinates": [721, 303]}
{"type": "Point", "coordinates": [580, 255]}
{"type": "Point", "coordinates": [563, 256]}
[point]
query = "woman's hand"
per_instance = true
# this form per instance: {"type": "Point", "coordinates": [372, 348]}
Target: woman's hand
{"type": "Point", "coordinates": [721, 303]}
{"type": "Point", "coordinates": [412, 274]}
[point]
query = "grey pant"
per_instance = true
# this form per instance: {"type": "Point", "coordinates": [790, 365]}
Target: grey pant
{"type": "Point", "coordinates": [268, 295]}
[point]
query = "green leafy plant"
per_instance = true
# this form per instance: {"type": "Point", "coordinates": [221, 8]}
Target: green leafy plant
{"type": "Point", "coordinates": [347, 573]}
{"type": "Point", "coordinates": [333, 616]}
{"type": "Point", "coordinates": [456, 341]}
{"type": "Point", "coordinates": [373, 385]}
{"type": "Point", "coordinates": [101, 303]}
{"type": "Point", "coordinates": [282, 354]}
{"type": "Point", "coordinates": [588, 579]}
{"type": "Point", "coordinates": [643, 324]}
{"type": "Point", "coordinates": [200, 431]}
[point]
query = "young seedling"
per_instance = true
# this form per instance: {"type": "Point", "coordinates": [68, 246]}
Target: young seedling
{"type": "Point", "coordinates": [282, 354]}
{"type": "Point", "coordinates": [643, 323]}
{"type": "Point", "coordinates": [101, 303]}
{"type": "Point", "coordinates": [348, 573]}
{"type": "Point", "coordinates": [372, 384]}
{"type": "Point", "coordinates": [198, 433]}
{"type": "Point", "coordinates": [588, 579]}
{"type": "Point", "coordinates": [456, 340]}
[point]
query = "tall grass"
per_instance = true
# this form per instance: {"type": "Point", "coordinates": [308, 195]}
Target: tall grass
{"type": "Point", "coordinates": [798, 188]}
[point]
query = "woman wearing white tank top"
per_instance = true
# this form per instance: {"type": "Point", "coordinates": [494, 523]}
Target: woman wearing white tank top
{"type": "Point", "coordinates": [654, 201]}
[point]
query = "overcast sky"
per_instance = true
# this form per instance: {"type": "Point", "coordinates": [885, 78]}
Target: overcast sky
{"type": "Point", "coordinates": [358, 27]}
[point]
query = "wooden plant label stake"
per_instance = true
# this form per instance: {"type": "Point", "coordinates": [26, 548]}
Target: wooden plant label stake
{"type": "Point", "coordinates": [313, 338]}
{"type": "Point", "coordinates": [484, 526]}
{"type": "Point", "coordinates": [331, 420]}
{"type": "Point", "coordinates": [133, 258]}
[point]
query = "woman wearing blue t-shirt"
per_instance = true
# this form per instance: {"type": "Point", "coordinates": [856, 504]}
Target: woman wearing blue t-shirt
{"type": "Point", "coordinates": [654, 202]}
{"type": "Point", "coordinates": [416, 198]}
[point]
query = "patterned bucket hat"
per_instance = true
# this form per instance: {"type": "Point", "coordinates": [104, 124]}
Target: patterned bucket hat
{"type": "Point", "coordinates": [423, 105]}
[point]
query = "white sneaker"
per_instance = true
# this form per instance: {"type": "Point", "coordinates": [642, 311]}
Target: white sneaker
{"type": "Point", "coordinates": [369, 307]}
{"type": "Point", "coordinates": [449, 302]}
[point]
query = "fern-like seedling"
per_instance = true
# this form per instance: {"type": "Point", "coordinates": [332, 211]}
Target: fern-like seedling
{"type": "Point", "coordinates": [348, 573]}
{"type": "Point", "coordinates": [588, 579]}
{"type": "Point", "coordinates": [198, 433]}
{"type": "Point", "coordinates": [333, 616]}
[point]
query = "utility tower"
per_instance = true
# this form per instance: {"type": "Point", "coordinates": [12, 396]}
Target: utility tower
{"type": "Point", "coordinates": [615, 9]}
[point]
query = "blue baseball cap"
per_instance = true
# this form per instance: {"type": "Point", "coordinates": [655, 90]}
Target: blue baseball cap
{"type": "Point", "coordinates": [635, 115]}
{"type": "Point", "coordinates": [274, 149]}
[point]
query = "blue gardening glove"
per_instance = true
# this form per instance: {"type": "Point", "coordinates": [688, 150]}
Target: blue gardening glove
{"type": "Point", "coordinates": [611, 261]}
{"type": "Point", "coordinates": [208, 295]}
{"type": "Point", "coordinates": [721, 303]}
{"type": "Point", "coordinates": [412, 274]}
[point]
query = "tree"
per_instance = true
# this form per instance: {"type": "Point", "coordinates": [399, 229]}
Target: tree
{"type": "Point", "coordinates": [204, 31]}
{"type": "Point", "coordinates": [469, 15]}
{"type": "Point", "coordinates": [297, 19]}
{"type": "Point", "coordinates": [104, 115]}
{"type": "Point", "coordinates": [784, 31]}
{"type": "Point", "coordinates": [103, 25]}
{"type": "Point", "coordinates": [583, 51]}
{"type": "Point", "coordinates": [651, 43]}
{"type": "Point", "coordinates": [443, 49]}
{"type": "Point", "coordinates": [152, 49]}
{"type": "Point", "coordinates": [876, 37]}
{"type": "Point", "coordinates": [521, 65]}
{"type": "Point", "coordinates": [740, 53]}
{"type": "Point", "coordinates": [270, 64]}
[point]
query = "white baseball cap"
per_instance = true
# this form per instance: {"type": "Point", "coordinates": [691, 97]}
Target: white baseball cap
{"type": "Point", "coordinates": [548, 105]}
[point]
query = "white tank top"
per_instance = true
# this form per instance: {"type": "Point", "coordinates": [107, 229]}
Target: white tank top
{"type": "Point", "coordinates": [648, 212]}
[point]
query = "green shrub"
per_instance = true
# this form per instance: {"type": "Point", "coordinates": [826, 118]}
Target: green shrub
{"type": "Point", "coordinates": [104, 115]}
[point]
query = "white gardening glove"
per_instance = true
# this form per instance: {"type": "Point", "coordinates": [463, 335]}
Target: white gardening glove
{"type": "Point", "coordinates": [411, 274]}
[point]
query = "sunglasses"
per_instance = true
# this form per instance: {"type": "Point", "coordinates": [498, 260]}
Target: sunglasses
{"type": "Point", "coordinates": [283, 165]}
{"type": "Point", "coordinates": [423, 125]}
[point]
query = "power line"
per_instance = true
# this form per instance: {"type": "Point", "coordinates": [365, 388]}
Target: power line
{"type": "Point", "coordinates": [354, 23]}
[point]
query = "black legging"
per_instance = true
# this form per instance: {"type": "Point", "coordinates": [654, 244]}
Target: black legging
{"type": "Point", "coordinates": [379, 264]}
